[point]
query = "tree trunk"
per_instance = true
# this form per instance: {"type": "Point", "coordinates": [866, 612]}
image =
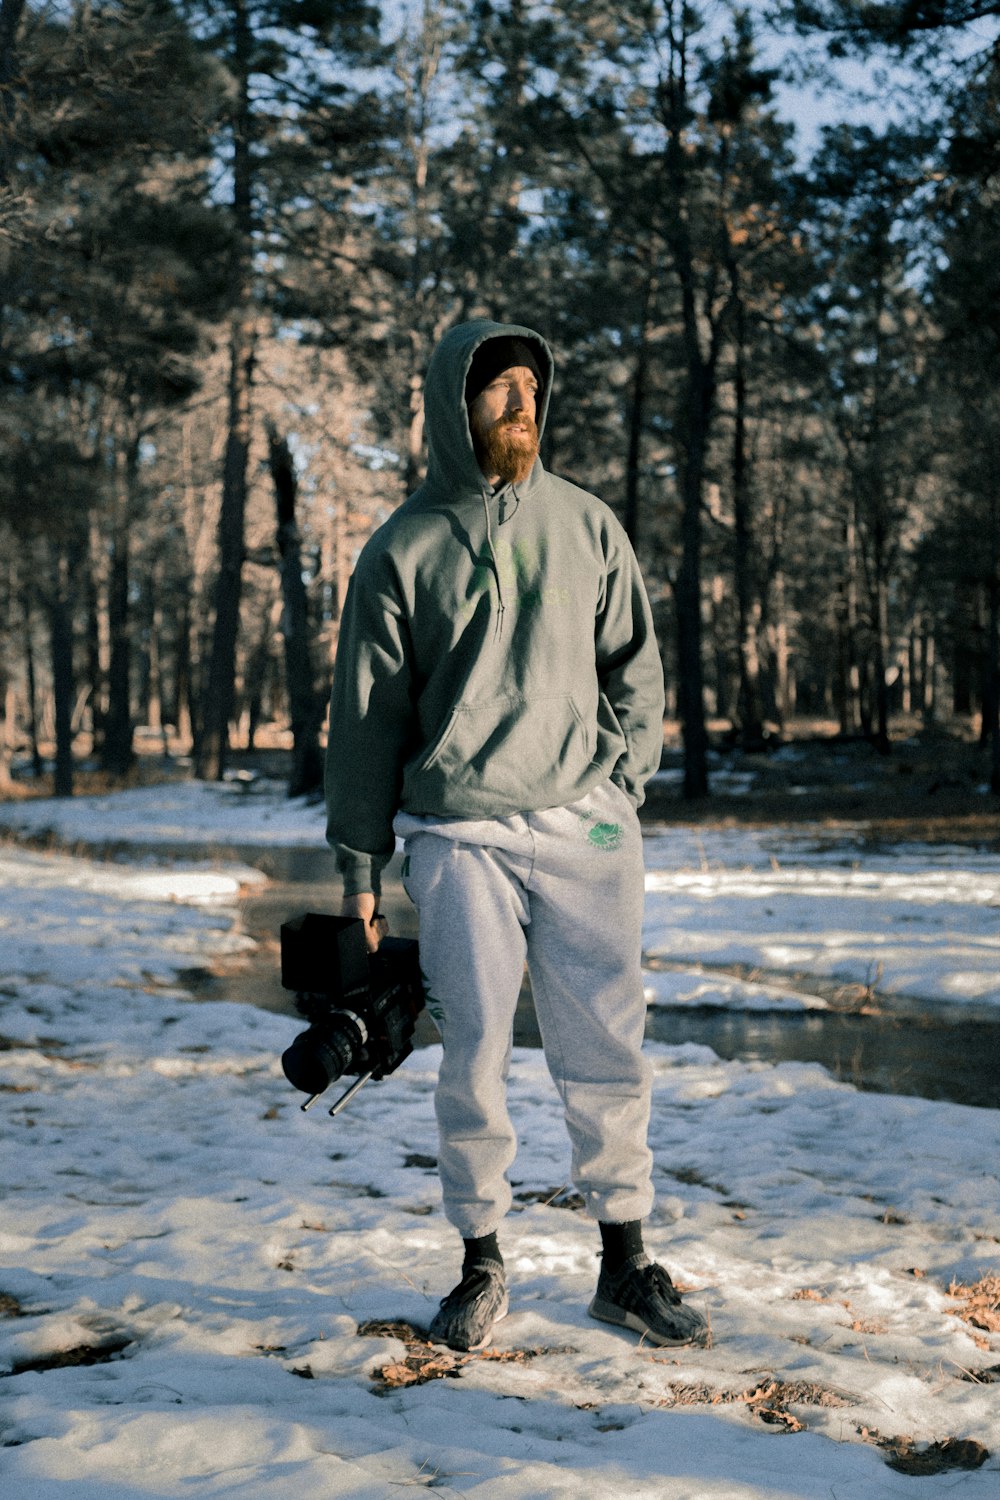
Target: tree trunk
{"type": "Point", "coordinates": [305, 705]}
{"type": "Point", "coordinates": [185, 696]}
{"type": "Point", "coordinates": [156, 716]}
{"type": "Point", "coordinates": [780, 651]}
{"type": "Point", "coordinates": [11, 12]}
{"type": "Point", "coordinates": [8, 700]}
{"type": "Point", "coordinates": [7, 738]}
{"type": "Point", "coordinates": [255, 675]}
{"type": "Point", "coordinates": [98, 634]}
{"type": "Point", "coordinates": [881, 664]}
{"type": "Point", "coordinates": [929, 676]}
{"type": "Point", "coordinates": [991, 695]}
{"type": "Point", "coordinates": [749, 712]}
{"type": "Point", "coordinates": [852, 712]}
{"type": "Point", "coordinates": [636, 418]}
{"type": "Point", "coordinates": [29, 661]}
{"type": "Point", "coordinates": [687, 591]}
{"type": "Point", "coordinates": [719, 647]}
{"type": "Point", "coordinates": [217, 704]}
{"type": "Point", "coordinates": [694, 414]}
{"type": "Point", "coordinates": [116, 751]}
{"type": "Point", "coordinates": [61, 645]}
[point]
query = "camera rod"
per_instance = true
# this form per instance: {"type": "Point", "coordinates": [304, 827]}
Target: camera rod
{"type": "Point", "coordinates": [344, 1098]}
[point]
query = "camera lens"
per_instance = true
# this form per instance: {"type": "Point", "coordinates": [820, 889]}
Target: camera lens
{"type": "Point", "coordinates": [319, 1056]}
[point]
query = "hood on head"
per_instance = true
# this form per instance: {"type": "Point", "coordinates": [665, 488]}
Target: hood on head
{"type": "Point", "coordinates": [449, 440]}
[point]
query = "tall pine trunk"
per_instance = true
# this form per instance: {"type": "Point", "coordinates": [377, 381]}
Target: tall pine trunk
{"type": "Point", "coordinates": [749, 710]}
{"type": "Point", "coordinates": [304, 702]}
{"type": "Point", "coordinates": [880, 666]}
{"type": "Point", "coordinates": [637, 416]}
{"type": "Point", "coordinates": [991, 696]}
{"type": "Point", "coordinates": [61, 649]}
{"type": "Point", "coordinates": [116, 750]}
{"type": "Point", "coordinates": [11, 12]}
{"type": "Point", "coordinates": [32, 680]}
{"type": "Point", "coordinates": [852, 712]}
{"type": "Point", "coordinates": [695, 409]}
{"type": "Point", "coordinates": [212, 735]}
{"type": "Point", "coordinates": [97, 648]}
{"type": "Point", "coordinates": [687, 592]}
{"type": "Point", "coordinates": [697, 403]}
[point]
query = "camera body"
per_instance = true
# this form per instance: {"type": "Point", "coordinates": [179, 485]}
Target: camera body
{"type": "Point", "coordinates": [361, 1007]}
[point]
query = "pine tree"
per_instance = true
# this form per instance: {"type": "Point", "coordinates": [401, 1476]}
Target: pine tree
{"type": "Point", "coordinates": [657, 117]}
{"type": "Point", "coordinates": [111, 280]}
{"type": "Point", "coordinates": [874, 347]}
{"type": "Point", "coordinates": [287, 60]}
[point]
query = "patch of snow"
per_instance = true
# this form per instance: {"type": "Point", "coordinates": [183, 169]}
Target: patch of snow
{"type": "Point", "coordinates": [165, 1197]}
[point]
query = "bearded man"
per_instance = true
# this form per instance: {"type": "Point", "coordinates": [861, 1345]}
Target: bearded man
{"type": "Point", "coordinates": [498, 704]}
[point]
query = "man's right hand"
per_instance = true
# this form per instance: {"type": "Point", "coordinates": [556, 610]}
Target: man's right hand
{"type": "Point", "coordinates": [365, 906]}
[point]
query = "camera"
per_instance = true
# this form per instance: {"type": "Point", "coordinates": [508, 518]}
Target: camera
{"type": "Point", "coordinates": [361, 1007]}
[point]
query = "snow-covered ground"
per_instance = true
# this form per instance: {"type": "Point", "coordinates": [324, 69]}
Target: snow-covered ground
{"type": "Point", "coordinates": [915, 922]}
{"type": "Point", "coordinates": [251, 1282]}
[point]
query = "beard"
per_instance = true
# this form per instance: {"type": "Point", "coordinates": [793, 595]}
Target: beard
{"type": "Point", "coordinates": [508, 454]}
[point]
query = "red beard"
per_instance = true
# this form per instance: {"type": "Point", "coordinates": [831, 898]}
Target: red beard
{"type": "Point", "coordinates": [510, 455]}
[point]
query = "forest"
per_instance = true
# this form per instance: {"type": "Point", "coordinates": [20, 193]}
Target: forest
{"type": "Point", "coordinates": [232, 231]}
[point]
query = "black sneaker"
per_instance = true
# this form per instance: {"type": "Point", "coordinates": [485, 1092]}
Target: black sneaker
{"type": "Point", "coordinates": [641, 1296]}
{"type": "Point", "coordinates": [466, 1316]}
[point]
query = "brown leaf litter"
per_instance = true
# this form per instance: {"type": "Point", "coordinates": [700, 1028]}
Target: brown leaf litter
{"type": "Point", "coordinates": [979, 1304]}
{"type": "Point", "coordinates": [907, 1456]}
{"type": "Point", "coordinates": [425, 1361]}
{"type": "Point", "coordinates": [768, 1400]}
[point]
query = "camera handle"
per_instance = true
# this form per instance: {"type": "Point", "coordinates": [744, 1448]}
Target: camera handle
{"type": "Point", "coordinates": [344, 1099]}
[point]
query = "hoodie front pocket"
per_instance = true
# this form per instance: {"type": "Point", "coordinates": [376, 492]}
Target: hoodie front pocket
{"type": "Point", "coordinates": [509, 745]}
{"type": "Point", "coordinates": [437, 746]}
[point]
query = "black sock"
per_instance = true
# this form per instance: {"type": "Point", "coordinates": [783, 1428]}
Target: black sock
{"type": "Point", "coordinates": [485, 1247]}
{"type": "Point", "coordinates": [620, 1242]}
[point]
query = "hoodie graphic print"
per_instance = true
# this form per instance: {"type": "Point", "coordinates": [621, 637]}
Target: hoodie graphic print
{"type": "Point", "coordinates": [496, 651]}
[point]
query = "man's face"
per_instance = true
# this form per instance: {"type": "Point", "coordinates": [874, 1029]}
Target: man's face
{"type": "Point", "coordinates": [502, 423]}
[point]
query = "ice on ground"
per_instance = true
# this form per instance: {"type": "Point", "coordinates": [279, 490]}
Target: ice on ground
{"type": "Point", "coordinates": [689, 986]}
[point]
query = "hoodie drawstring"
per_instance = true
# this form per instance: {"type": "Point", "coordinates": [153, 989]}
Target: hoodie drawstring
{"type": "Point", "coordinates": [501, 606]}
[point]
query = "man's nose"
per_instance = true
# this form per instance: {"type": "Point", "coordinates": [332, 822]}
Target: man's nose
{"type": "Point", "coordinates": [519, 398]}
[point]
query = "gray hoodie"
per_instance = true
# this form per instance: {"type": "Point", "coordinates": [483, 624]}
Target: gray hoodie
{"type": "Point", "coordinates": [496, 651]}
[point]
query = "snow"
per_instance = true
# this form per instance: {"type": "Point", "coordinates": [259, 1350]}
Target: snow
{"type": "Point", "coordinates": [229, 813]}
{"type": "Point", "coordinates": [919, 923]}
{"type": "Point", "coordinates": [167, 1200]}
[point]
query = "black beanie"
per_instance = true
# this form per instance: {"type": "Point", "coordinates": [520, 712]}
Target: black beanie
{"type": "Point", "coordinates": [495, 356]}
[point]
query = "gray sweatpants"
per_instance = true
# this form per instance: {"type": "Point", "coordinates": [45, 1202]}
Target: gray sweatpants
{"type": "Point", "coordinates": [564, 888]}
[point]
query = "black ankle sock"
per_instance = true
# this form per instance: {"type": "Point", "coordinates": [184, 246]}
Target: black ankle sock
{"type": "Point", "coordinates": [485, 1247]}
{"type": "Point", "coordinates": [620, 1242]}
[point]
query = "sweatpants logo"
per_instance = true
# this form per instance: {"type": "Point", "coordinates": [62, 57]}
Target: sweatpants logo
{"type": "Point", "coordinates": [606, 836]}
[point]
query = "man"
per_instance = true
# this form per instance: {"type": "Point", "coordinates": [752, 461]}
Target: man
{"type": "Point", "coordinates": [498, 704]}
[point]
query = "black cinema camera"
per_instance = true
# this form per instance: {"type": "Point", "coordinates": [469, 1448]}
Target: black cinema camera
{"type": "Point", "coordinates": [361, 1007]}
